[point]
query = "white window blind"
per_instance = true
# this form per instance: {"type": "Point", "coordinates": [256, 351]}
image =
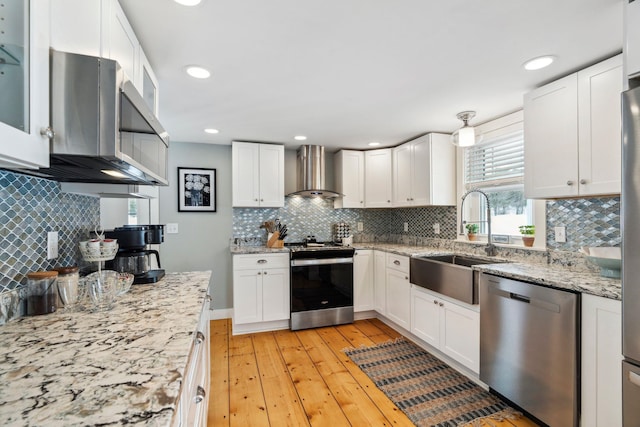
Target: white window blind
{"type": "Point", "coordinates": [497, 161]}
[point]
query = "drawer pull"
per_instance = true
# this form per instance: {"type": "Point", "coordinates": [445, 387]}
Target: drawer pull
{"type": "Point", "coordinates": [200, 395]}
{"type": "Point", "coordinates": [634, 379]}
{"type": "Point", "coordinates": [262, 261]}
{"type": "Point", "coordinates": [396, 262]}
{"type": "Point", "coordinates": [199, 337]}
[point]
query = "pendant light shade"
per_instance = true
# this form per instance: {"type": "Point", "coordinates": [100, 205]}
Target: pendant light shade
{"type": "Point", "coordinates": [466, 135]}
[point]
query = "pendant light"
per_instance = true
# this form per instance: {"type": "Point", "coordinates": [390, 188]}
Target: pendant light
{"type": "Point", "coordinates": [466, 135]}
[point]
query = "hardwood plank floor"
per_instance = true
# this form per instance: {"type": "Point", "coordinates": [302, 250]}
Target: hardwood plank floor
{"type": "Point", "coordinates": [301, 378]}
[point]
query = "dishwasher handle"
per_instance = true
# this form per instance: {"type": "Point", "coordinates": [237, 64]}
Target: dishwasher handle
{"type": "Point", "coordinates": [535, 302]}
{"type": "Point", "coordinates": [519, 297]}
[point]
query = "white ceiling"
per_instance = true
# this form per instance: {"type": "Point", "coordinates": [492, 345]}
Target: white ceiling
{"type": "Point", "coordinates": [347, 72]}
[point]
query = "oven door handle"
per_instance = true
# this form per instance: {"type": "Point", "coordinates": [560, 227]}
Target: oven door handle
{"type": "Point", "coordinates": [303, 262]}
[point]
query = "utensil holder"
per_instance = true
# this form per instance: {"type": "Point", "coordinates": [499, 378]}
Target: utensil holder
{"type": "Point", "coordinates": [273, 240]}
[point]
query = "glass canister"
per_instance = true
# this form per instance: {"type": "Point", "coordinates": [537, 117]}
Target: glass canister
{"type": "Point", "coordinates": [67, 283]}
{"type": "Point", "coordinates": [42, 293]}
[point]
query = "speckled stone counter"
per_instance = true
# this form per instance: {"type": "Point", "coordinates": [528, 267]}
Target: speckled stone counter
{"type": "Point", "coordinates": [122, 366]}
{"type": "Point", "coordinates": [244, 250]}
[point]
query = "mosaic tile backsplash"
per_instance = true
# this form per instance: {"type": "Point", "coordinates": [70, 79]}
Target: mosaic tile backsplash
{"type": "Point", "coordinates": [29, 208]}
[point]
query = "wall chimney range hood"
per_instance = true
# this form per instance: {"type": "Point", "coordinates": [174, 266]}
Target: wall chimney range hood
{"type": "Point", "coordinates": [311, 173]}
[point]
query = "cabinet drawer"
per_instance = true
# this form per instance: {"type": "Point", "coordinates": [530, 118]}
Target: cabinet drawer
{"type": "Point", "coordinates": [398, 262]}
{"type": "Point", "coordinates": [262, 261]}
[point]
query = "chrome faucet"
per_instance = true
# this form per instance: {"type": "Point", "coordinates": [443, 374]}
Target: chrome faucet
{"type": "Point", "coordinates": [491, 248]}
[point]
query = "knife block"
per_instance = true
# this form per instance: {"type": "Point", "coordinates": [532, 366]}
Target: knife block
{"type": "Point", "coordinates": [273, 241]}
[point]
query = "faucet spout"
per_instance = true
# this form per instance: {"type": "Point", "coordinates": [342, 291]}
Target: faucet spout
{"type": "Point", "coordinates": [490, 249]}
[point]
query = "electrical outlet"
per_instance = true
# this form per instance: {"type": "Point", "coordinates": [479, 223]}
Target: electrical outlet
{"type": "Point", "coordinates": [436, 228]}
{"type": "Point", "coordinates": [172, 228]}
{"type": "Point", "coordinates": [406, 227]}
{"type": "Point", "coordinates": [561, 234]}
{"type": "Point", "coordinates": [360, 226]}
{"type": "Point", "coordinates": [52, 244]}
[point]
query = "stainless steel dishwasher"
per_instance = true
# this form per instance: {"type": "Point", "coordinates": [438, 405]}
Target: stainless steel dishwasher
{"type": "Point", "coordinates": [529, 348]}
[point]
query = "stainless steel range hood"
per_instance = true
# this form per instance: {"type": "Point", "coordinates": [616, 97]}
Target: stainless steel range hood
{"type": "Point", "coordinates": [311, 173]}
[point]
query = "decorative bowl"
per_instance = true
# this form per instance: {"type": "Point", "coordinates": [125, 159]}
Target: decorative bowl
{"type": "Point", "coordinates": [609, 267]}
{"type": "Point", "coordinates": [124, 283]}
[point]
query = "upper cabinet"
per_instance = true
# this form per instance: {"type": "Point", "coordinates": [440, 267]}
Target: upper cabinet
{"type": "Point", "coordinates": [103, 31]}
{"type": "Point", "coordinates": [632, 38]}
{"type": "Point", "coordinates": [424, 172]}
{"type": "Point", "coordinates": [257, 175]}
{"type": "Point", "coordinates": [378, 178]}
{"type": "Point", "coordinates": [349, 174]}
{"type": "Point", "coordinates": [572, 134]}
{"type": "Point", "coordinates": [24, 84]}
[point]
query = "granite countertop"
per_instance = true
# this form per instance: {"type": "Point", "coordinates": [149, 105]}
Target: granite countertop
{"type": "Point", "coordinates": [556, 276]}
{"type": "Point", "coordinates": [122, 366]}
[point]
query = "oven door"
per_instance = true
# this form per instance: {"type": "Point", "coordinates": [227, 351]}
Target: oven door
{"type": "Point", "coordinates": [318, 284]}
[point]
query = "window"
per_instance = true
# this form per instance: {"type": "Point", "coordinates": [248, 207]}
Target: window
{"type": "Point", "coordinates": [496, 166]}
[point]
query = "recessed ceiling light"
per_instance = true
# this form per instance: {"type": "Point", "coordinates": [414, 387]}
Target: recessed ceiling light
{"type": "Point", "coordinates": [211, 130]}
{"type": "Point", "coordinates": [188, 2]}
{"type": "Point", "coordinates": [197, 72]}
{"type": "Point", "coordinates": [300, 138]}
{"type": "Point", "coordinates": [539, 62]}
{"type": "Point", "coordinates": [374, 144]}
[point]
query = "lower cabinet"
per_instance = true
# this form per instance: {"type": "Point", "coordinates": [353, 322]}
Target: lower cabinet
{"type": "Point", "coordinates": [601, 362]}
{"type": "Point", "coordinates": [451, 327]}
{"type": "Point", "coordinates": [363, 280]}
{"type": "Point", "coordinates": [260, 291]}
{"type": "Point", "coordinates": [380, 282]}
{"type": "Point", "coordinates": [398, 290]}
{"type": "Point", "coordinates": [193, 404]}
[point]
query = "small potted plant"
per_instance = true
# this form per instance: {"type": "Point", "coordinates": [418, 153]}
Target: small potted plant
{"type": "Point", "coordinates": [472, 231]}
{"type": "Point", "coordinates": [528, 234]}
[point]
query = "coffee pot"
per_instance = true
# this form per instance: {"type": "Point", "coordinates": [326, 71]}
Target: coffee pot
{"type": "Point", "coordinates": [133, 255]}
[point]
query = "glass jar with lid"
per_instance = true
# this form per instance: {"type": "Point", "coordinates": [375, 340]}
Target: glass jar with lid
{"type": "Point", "coordinates": [41, 292]}
{"type": "Point", "coordinates": [67, 283]}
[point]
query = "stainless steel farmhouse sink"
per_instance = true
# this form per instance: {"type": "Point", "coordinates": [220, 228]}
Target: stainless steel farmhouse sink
{"type": "Point", "coordinates": [450, 275]}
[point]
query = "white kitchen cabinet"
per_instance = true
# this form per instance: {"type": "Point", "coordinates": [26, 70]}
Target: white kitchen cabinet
{"type": "Point", "coordinates": [424, 172]}
{"type": "Point", "coordinates": [24, 104]}
{"type": "Point", "coordinates": [147, 83]}
{"type": "Point", "coordinates": [119, 41]}
{"type": "Point", "coordinates": [194, 400]}
{"type": "Point", "coordinates": [260, 292]}
{"type": "Point", "coordinates": [257, 174]}
{"type": "Point", "coordinates": [601, 361]}
{"type": "Point", "coordinates": [378, 178]}
{"type": "Point", "coordinates": [631, 48]}
{"type": "Point", "coordinates": [70, 33]}
{"type": "Point", "coordinates": [449, 326]}
{"type": "Point", "coordinates": [363, 269]}
{"type": "Point", "coordinates": [380, 282]}
{"type": "Point", "coordinates": [349, 177]}
{"type": "Point", "coordinates": [398, 290]}
{"type": "Point", "coordinates": [572, 134]}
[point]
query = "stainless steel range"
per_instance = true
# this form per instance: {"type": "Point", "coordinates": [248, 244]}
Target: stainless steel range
{"type": "Point", "coordinates": [321, 285]}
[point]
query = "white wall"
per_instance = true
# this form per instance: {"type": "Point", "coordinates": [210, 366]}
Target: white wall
{"type": "Point", "coordinates": [202, 242]}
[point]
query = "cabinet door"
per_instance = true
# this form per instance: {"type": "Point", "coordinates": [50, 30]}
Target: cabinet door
{"type": "Point", "coordinates": [245, 174]}
{"type": "Point", "coordinates": [425, 316]}
{"type": "Point", "coordinates": [378, 178]}
{"type": "Point", "coordinates": [631, 47]}
{"type": "Point", "coordinates": [399, 298]}
{"type": "Point", "coordinates": [350, 178]}
{"type": "Point", "coordinates": [147, 83]}
{"type": "Point", "coordinates": [70, 33]}
{"type": "Point", "coordinates": [363, 280]}
{"type": "Point", "coordinates": [599, 120]}
{"type": "Point", "coordinates": [460, 334]}
{"type": "Point", "coordinates": [443, 170]}
{"type": "Point", "coordinates": [271, 175]}
{"type": "Point", "coordinates": [551, 139]}
{"type": "Point", "coordinates": [380, 282]}
{"type": "Point", "coordinates": [421, 171]}
{"type": "Point", "coordinates": [119, 41]}
{"type": "Point", "coordinates": [402, 175]}
{"type": "Point", "coordinates": [275, 294]}
{"type": "Point", "coordinates": [24, 84]}
{"type": "Point", "coordinates": [247, 296]}
{"type": "Point", "coordinates": [601, 361]}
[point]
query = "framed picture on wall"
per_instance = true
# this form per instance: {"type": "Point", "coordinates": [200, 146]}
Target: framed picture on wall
{"type": "Point", "coordinates": [196, 190]}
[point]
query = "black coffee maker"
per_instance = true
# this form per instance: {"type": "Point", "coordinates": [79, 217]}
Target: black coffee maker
{"type": "Point", "coordinates": [133, 254]}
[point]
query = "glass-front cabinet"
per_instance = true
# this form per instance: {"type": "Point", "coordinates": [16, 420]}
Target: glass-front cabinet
{"type": "Point", "coordinates": [24, 83]}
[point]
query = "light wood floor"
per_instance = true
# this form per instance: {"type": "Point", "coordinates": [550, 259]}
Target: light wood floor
{"type": "Point", "coordinates": [300, 378]}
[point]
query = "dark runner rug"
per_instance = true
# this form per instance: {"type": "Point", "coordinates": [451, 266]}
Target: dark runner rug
{"type": "Point", "coordinates": [425, 388]}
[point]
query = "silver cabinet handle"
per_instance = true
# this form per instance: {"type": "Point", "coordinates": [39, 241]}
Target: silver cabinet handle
{"type": "Point", "coordinates": [396, 262]}
{"type": "Point", "coordinates": [259, 273]}
{"type": "Point", "coordinates": [441, 304]}
{"type": "Point", "coordinates": [262, 261]}
{"type": "Point", "coordinates": [47, 132]}
{"type": "Point", "coordinates": [262, 200]}
{"type": "Point", "coordinates": [634, 378]}
{"type": "Point", "coordinates": [388, 201]}
{"type": "Point", "coordinates": [361, 201]}
{"type": "Point", "coordinates": [406, 278]}
{"type": "Point", "coordinates": [200, 395]}
{"type": "Point", "coordinates": [583, 181]}
{"type": "Point", "coordinates": [435, 302]}
{"type": "Point", "coordinates": [569, 183]}
{"type": "Point", "coordinates": [408, 199]}
{"type": "Point", "coordinates": [255, 200]}
{"type": "Point", "coordinates": [199, 337]}
{"type": "Point", "coordinates": [265, 273]}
